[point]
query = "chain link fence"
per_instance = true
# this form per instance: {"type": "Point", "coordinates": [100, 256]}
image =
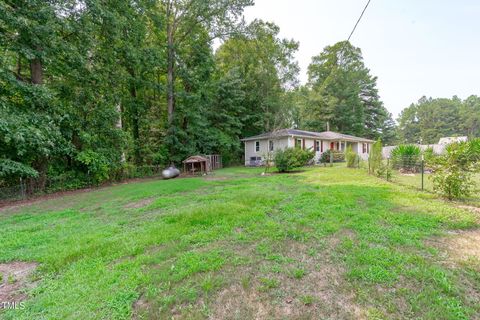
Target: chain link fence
{"type": "Point", "coordinates": [410, 171]}
{"type": "Point", "coordinates": [24, 189]}
{"type": "Point", "coordinates": [414, 172]}
{"type": "Point", "coordinates": [15, 192]}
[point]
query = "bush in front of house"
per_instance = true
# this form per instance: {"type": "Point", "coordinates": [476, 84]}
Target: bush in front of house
{"type": "Point", "coordinates": [338, 156]}
{"type": "Point", "coordinates": [291, 158]}
{"type": "Point", "coordinates": [453, 171]}
{"type": "Point", "coordinates": [351, 157]}
{"type": "Point", "coordinates": [428, 154]}
{"type": "Point", "coordinates": [406, 157]}
{"type": "Point", "coordinates": [375, 159]}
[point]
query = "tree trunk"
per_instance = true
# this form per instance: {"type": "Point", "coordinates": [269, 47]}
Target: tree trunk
{"type": "Point", "coordinates": [19, 68]}
{"type": "Point", "coordinates": [36, 70]}
{"type": "Point", "coordinates": [120, 126]}
{"type": "Point", "coordinates": [170, 73]}
{"type": "Point", "coordinates": [41, 164]}
{"type": "Point", "coordinates": [135, 125]}
{"type": "Point", "coordinates": [41, 167]}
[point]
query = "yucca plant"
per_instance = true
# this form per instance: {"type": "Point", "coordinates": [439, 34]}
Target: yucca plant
{"type": "Point", "coordinates": [405, 157]}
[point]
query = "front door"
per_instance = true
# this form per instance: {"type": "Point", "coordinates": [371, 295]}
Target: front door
{"type": "Point", "coordinates": [332, 145]}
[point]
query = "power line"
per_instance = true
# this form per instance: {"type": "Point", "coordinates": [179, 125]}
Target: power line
{"type": "Point", "coordinates": [348, 40]}
{"type": "Point", "coordinates": [359, 18]}
{"type": "Point", "coordinates": [354, 28]}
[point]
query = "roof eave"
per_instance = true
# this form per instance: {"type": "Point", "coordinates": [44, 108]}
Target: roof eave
{"type": "Point", "coordinates": [262, 138]}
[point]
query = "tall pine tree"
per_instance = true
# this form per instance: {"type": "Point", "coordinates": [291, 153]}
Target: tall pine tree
{"type": "Point", "coordinates": [343, 94]}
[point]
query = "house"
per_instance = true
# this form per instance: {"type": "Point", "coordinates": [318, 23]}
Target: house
{"type": "Point", "coordinates": [258, 147]}
{"type": "Point", "coordinates": [449, 140]}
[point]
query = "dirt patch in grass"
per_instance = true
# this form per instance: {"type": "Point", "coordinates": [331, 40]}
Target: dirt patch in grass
{"type": "Point", "coordinates": [474, 210]}
{"type": "Point", "coordinates": [215, 178]}
{"type": "Point", "coordinates": [237, 302]}
{"type": "Point", "coordinates": [140, 308]}
{"type": "Point", "coordinates": [287, 172]}
{"type": "Point", "coordinates": [460, 252]}
{"type": "Point", "coordinates": [306, 285]}
{"type": "Point", "coordinates": [139, 204]}
{"type": "Point", "coordinates": [459, 246]}
{"type": "Point", "coordinates": [14, 280]}
{"type": "Point", "coordinates": [295, 280]}
{"type": "Point", "coordinates": [470, 208]}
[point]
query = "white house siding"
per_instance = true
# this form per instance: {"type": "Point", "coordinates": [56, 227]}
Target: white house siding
{"type": "Point", "coordinates": [290, 142]}
{"type": "Point", "coordinates": [359, 150]}
{"type": "Point", "coordinates": [279, 143]}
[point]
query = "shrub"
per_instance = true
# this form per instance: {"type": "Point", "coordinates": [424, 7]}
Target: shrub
{"type": "Point", "coordinates": [428, 154]}
{"type": "Point", "coordinates": [96, 164]}
{"type": "Point", "coordinates": [290, 158]}
{"type": "Point", "coordinates": [14, 169]}
{"type": "Point", "coordinates": [338, 156]}
{"type": "Point", "coordinates": [464, 153]}
{"type": "Point", "coordinates": [325, 157]}
{"type": "Point", "coordinates": [375, 158]}
{"type": "Point", "coordinates": [351, 157]}
{"type": "Point", "coordinates": [452, 171]}
{"type": "Point", "coordinates": [406, 157]}
{"type": "Point", "coordinates": [452, 183]}
{"type": "Point", "coordinates": [68, 180]}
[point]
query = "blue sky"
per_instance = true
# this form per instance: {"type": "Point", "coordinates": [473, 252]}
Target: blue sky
{"type": "Point", "coordinates": [415, 48]}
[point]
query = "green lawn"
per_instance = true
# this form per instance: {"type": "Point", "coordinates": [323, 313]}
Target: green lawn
{"type": "Point", "coordinates": [323, 243]}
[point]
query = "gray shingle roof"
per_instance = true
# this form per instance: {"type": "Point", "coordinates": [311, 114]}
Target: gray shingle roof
{"type": "Point", "coordinates": [330, 135]}
{"type": "Point", "coordinates": [325, 135]}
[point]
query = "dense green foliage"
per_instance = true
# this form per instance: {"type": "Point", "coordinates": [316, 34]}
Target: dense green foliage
{"type": "Point", "coordinates": [90, 89]}
{"type": "Point", "coordinates": [406, 157]}
{"type": "Point", "coordinates": [375, 158]}
{"type": "Point", "coordinates": [290, 158]}
{"type": "Point", "coordinates": [453, 171]}
{"type": "Point", "coordinates": [337, 156]}
{"type": "Point", "coordinates": [342, 92]}
{"type": "Point", "coordinates": [265, 67]}
{"type": "Point", "coordinates": [430, 119]}
{"type": "Point", "coordinates": [428, 155]}
{"type": "Point", "coordinates": [351, 157]}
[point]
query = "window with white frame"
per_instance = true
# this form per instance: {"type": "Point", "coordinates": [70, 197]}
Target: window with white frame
{"type": "Point", "coordinates": [364, 148]}
{"type": "Point", "coordinates": [270, 145]}
{"type": "Point", "coordinates": [317, 146]}
{"type": "Point", "coordinates": [257, 146]}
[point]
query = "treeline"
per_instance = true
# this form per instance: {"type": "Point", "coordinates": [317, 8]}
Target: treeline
{"type": "Point", "coordinates": [92, 88]}
{"type": "Point", "coordinates": [428, 120]}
